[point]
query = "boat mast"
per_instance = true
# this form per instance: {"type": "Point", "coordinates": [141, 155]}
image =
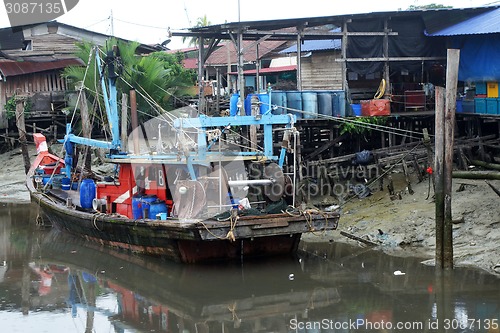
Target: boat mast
{"type": "Point", "coordinates": [110, 101]}
{"type": "Point", "coordinates": [110, 105]}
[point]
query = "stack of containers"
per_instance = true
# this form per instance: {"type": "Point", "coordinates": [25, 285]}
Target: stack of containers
{"type": "Point", "coordinates": [486, 100]}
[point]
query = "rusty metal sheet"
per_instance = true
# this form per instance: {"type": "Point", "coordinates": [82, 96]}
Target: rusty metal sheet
{"type": "Point", "coordinates": [14, 68]}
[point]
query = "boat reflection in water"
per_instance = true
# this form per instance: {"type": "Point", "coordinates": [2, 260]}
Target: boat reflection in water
{"type": "Point", "coordinates": [61, 285]}
{"type": "Point", "coordinates": [159, 296]}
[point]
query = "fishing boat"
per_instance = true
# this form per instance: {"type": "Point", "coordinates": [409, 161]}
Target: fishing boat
{"type": "Point", "coordinates": [185, 189]}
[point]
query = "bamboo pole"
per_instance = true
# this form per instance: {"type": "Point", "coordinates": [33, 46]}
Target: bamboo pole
{"type": "Point", "coordinates": [492, 166]}
{"type": "Point", "coordinates": [489, 175]}
{"type": "Point", "coordinates": [86, 127]}
{"type": "Point", "coordinates": [134, 120]}
{"type": "Point", "coordinates": [21, 127]}
{"type": "Point", "coordinates": [438, 174]}
{"type": "Point", "coordinates": [453, 59]}
{"type": "Point", "coordinates": [124, 122]}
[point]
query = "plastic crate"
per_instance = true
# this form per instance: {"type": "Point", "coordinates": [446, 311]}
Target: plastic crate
{"type": "Point", "coordinates": [480, 88]}
{"type": "Point", "coordinates": [467, 106]}
{"type": "Point", "coordinates": [480, 105]}
{"type": "Point", "coordinates": [492, 89]}
{"type": "Point", "coordinates": [492, 105]}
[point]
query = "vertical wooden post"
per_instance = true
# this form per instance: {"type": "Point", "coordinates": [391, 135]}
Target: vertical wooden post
{"type": "Point", "coordinates": [86, 127]}
{"type": "Point", "coordinates": [217, 94]}
{"type": "Point", "coordinates": [344, 56]}
{"type": "Point", "coordinates": [438, 174]}
{"type": "Point", "coordinates": [241, 77]}
{"type": "Point", "coordinates": [451, 100]}
{"type": "Point", "coordinates": [300, 30]}
{"type": "Point", "coordinates": [21, 127]}
{"type": "Point", "coordinates": [257, 69]}
{"type": "Point", "coordinates": [124, 122]}
{"type": "Point", "coordinates": [201, 86]}
{"type": "Point", "coordinates": [134, 120]}
{"type": "Point", "coordinates": [254, 107]}
{"type": "Point", "coordinates": [387, 73]}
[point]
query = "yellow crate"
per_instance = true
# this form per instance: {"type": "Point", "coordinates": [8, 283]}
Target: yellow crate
{"type": "Point", "coordinates": [492, 89]}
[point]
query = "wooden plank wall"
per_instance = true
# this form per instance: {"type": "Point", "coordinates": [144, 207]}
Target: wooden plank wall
{"type": "Point", "coordinates": [54, 45]}
{"type": "Point", "coordinates": [321, 71]}
{"type": "Point", "coordinates": [44, 82]}
{"type": "Point", "coordinates": [33, 83]}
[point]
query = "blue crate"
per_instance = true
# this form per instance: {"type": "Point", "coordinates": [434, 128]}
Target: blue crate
{"type": "Point", "coordinates": [492, 105]}
{"type": "Point", "coordinates": [481, 88]}
{"type": "Point", "coordinates": [480, 105]}
{"type": "Point", "coordinates": [467, 106]}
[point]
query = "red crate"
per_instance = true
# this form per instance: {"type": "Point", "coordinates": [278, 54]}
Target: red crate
{"type": "Point", "coordinates": [375, 107]}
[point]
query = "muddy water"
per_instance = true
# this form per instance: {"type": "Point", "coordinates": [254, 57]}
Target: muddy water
{"type": "Point", "coordinates": [50, 282]}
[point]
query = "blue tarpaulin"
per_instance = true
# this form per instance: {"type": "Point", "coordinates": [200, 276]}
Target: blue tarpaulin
{"type": "Point", "coordinates": [478, 39]}
{"type": "Point", "coordinates": [479, 57]}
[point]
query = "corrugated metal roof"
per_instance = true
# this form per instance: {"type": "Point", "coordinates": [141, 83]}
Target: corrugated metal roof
{"type": "Point", "coordinates": [486, 23]}
{"type": "Point", "coordinates": [14, 68]}
{"type": "Point", "coordinates": [316, 45]}
{"type": "Point", "coordinates": [220, 56]}
{"type": "Point", "coordinates": [269, 70]}
{"type": "Point", "coordinates": [190, 63]}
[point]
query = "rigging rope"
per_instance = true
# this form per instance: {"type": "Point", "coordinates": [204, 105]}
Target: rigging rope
{"type": "Point", "coordinates": [378, 127]}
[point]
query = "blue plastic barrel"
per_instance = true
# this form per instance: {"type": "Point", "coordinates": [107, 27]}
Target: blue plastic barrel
{"type": "Point", "coordinates": [46, 179]}
{"type": "Point", "coordinates": [264, 103]}
{"type": "Point", "coordinates": [233, 104]}
{"type": "Point", "coordinates": [157, 207]}
{"type": "Point", "coordinates": [339, 103]}
{"type": "Point", "coordinates": [248, 104]}
{"type": "Point", "coordinates": [141, 205]}
{"type": "Point", "coordinates": [137, 207]}
{"type": "Point", "coordinates": [325, 104]}
{"type": "Point", "coordinates": [278, 99]}
{"type": "Point", "coordinates": [145, 205]}
{"type": "Point", "coordinates": [310, 104]}
{"type": "Point", "coordinates": [294, 101]}
{"type": "Point", "coordinates": [87, 193]}
{"type": "Point", "coordinates": [66, 183]}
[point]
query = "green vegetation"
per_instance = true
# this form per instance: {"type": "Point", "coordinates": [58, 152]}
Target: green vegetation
{"type": "Point", "coordinates": [10, 107]}
{"type": "Point", "coordinates": [156, 77]}
{"type": "Point", "coordinates": [361, 125]}
{"type": "Point", "coordinates": [200, 22]}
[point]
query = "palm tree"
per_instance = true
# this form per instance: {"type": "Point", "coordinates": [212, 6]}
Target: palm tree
{"type": "Point", "coordinates": [155, 77]}
{"type": "Point", "coordinates": [200, 22]}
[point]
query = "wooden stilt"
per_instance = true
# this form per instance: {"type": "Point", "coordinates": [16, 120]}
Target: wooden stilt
{"type": "Point", "coordinates": [450, 111]}
{"type": "Point", "coordinates": [21, 127]}
{"type": "Point", "coordinates": [438, 175]}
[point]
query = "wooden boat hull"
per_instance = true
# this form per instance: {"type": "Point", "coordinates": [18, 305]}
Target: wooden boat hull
{"type": "Point", "coordinates": [188, 242]}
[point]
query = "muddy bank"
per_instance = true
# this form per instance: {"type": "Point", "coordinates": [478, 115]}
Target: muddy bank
{"type": "Point", "coordinates": [12, 176]}
{"type": "Point", "coordinates": [407, 225]}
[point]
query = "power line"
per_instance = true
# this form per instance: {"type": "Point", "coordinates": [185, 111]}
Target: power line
{"type": "Point", "coordinates": [141, 25]}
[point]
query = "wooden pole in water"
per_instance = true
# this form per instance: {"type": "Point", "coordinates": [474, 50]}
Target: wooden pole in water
{"type": "Point", "coordinates": [451, 100]}
{"type": "Point", "coordinates": [438, 174]}
{"type": "Point", "coordinates": [21, 127]}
